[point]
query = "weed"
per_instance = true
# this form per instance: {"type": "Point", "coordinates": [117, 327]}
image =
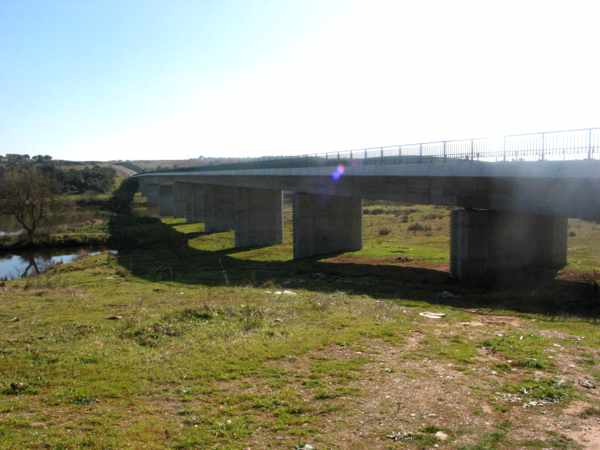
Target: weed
{"type": "Point", "coordinates": [526, 351]}
{"type": "Point", "coordinates": [548, 390]}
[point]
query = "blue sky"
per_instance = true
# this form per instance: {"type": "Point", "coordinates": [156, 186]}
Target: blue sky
{"type": "Point", "coordinates": [100, 80]}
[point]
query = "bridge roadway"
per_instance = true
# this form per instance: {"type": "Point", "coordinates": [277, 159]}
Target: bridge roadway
{"type": "Point", "coordinates": [510, 217]}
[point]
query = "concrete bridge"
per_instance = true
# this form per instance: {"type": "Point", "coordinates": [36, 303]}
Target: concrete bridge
{"type": "Point", "coordinates": [510, 216]}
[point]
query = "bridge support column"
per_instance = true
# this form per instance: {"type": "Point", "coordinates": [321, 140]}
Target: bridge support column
{"type": "Point", "coordinates": [150, 191]}
{"type": "Point", "coordinates": [325, 224]}
{"type": "Point", "coordinates": [179, 194]}
{"type": "Point", "coordinates": [166, 201]}
{"type": "Point", "coordinates": [195, 209]}
{"type": "Point", "coordinates": [188, 202]}
{"type": "Point", "coordinates": [258, 217]}
{"type": "Point", "coordinates": [219, 204]}
{"type": "Point", "coordinates": [490, 245]}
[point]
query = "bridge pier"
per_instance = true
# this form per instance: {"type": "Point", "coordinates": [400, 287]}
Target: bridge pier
{"type": "Point", "coordinates": [195, 210]}
{"type": "Point", "coordinates": [219, 204]}
{"type": "Point", "coordinates": [179, 198]}
{"type": "Point", "coordinates": [258, 217]}
{"type": "Point", "coordinates": [166, 202]}
{"type": "Point", "coordinates": [150, 191]}
{"type": "Point", "coordinates": [490, 245]}
{"type": "Point", "coordinates": [325, 224]}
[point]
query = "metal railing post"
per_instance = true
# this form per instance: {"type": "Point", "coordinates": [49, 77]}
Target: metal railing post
{"type": "Point", "coordinates": [444, 144]}
{"type": "Point", "coordinates": [543, 146]}
{"type": "Point", "coordinates": [420, 152]}
{"type": "Point", "coordinates": [365, 154]}
{"type": "Point", "coordinates": [504, 148]}
{"type": "Point", "coordinates": [590, 143]}
{"type": "Point", "coordinates": [350, 155]}
{"type": "Point", "coordinates": [472, 149]}
{"type": "Point", "coordinates": [381, 152]}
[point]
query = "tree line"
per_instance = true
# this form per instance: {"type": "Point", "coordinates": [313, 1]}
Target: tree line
{"type": "Point", "coordinates": [73, 180]}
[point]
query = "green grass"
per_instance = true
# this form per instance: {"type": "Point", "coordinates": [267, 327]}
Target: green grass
{"type": "Point", "coordinates": [521, 350]}
{"type": "Point", "coordinates": [179, 342]}
{"type": "Point", "coordinates": [550, 390]}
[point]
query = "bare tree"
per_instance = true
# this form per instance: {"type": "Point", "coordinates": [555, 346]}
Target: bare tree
{"type": "Point", "coordinates": [29, 196]}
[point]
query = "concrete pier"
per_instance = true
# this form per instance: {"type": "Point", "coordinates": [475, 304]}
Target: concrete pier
{"type": "Point", "coordinates": [219, 204]}
{"type": "Point", "coordinates": [179, 195]}
{"type": "Point", "coordinates": [166, 202]}
{"type": "Point", "coordinates": [195, 208]}
{"type": "Point", "coordinates": [151, 192]}
{"type": "Point", "coordinates": [325, 224]}
{"type": "Point", "coordinates": [189, 190]}
{"type": "Point", "coordinates": [490, 245]}
{"type": "Point", "coordinates": [258, 217]}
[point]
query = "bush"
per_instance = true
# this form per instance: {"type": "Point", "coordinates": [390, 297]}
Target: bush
{"type": "Point", "coordinates": [433, 216]}
{"type": "Point", "coordinates": [384, 231]}
{"type": "Point", "coordinates": [418, 226]}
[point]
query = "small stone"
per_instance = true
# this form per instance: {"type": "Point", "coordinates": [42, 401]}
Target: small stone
{"type": "Point", "coordinates": [15, 388]}
{"type": "Point", "coordinates": [586, 383]}
{"type": "Point", "coordinates": [114, 317]}
{"type": "Point", "coordinates": [14, 319]}
{"type": "Point", "coordinates": [441, 436]}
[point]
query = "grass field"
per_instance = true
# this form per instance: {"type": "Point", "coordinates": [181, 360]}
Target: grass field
{"type": "Point", "coordinates": [189, 343]}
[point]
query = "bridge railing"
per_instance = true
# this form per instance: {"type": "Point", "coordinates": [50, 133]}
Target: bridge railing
{"type": "Point", "coordinates": [542, 146]}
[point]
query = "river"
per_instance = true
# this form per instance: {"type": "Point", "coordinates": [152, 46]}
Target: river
{"type": "Point", "coordinates": [32, 263]}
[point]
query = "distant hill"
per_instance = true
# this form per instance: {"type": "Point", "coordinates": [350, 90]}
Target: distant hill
{"type": "Point", "coordinates": [149, 165]}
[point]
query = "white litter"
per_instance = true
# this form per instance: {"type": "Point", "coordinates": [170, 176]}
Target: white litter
{"type": "Point", "coordinates": [284, 292]}
{"type": "Point", "coordinates": [432, 315]}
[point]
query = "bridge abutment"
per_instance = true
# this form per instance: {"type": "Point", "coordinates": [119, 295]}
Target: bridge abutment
{"type": "Point", "coordinates": [490, 245]}
{"type": "Point", "coordinates": [166, 203]}
{"type": "Point", "coordinates": [325, 224]}
{"type": "Point", "coordinates": [258, 217]}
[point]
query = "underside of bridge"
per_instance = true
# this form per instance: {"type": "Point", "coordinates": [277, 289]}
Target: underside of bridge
{"type": "Point", "coordinates": [486, 244]}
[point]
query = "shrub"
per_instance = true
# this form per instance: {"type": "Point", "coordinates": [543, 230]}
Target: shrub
{"type": "Point", "coordinates": [418, 226]}
{"type": "Point", "coordinates": [384, 231]}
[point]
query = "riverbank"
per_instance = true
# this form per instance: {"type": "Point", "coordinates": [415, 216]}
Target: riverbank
{"type": "Point", "coordinates": [83, 221]}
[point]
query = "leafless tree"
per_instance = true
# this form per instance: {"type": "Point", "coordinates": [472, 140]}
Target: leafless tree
{"type": "Point", "coordinates": [29, 196]}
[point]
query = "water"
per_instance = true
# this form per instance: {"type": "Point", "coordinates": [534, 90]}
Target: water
{"type": "Point", "coordinates": [26, 264]}
{"type": "Point", "coordinates": [10, 233]}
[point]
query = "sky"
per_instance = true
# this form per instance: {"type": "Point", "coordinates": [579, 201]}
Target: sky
{"type": "Point", "coordinates": [155, 79]}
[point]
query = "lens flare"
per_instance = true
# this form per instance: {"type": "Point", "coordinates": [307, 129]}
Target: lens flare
{"type": "Point", "coordinates": [338, 172]}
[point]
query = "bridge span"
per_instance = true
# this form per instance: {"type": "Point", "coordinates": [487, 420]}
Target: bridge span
{"type": "Point", "coordinates": [511, 204]}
